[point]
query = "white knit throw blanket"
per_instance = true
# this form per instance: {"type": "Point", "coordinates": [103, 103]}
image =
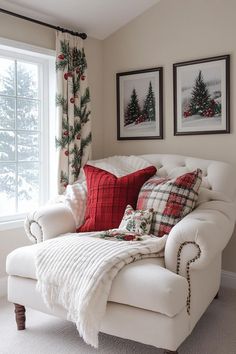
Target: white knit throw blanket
{"type": "Point", "coordinates": [77, 271]}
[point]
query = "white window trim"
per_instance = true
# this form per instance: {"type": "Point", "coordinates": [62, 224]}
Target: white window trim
{"type": "Point", "coordinates": [46, 58]}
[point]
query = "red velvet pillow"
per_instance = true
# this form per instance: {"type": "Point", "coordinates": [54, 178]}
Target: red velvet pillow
{"type": "Point", "coordinates": [109, 195]}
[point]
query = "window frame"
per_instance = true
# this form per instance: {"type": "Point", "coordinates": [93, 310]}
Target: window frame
{"type": "Point", "coordinates": [45, 58]}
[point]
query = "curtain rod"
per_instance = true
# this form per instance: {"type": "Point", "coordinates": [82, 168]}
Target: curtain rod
{"type": "Point", "coordinates": [81, 35]}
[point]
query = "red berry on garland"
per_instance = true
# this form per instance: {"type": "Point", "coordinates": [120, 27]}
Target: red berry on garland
{"type": "Point", "coordinates": [78, 136]}
{"type": "Point", "coordinates": [65, 185]}
{"type": "Point", "coordinates": [66, 76]}
{"type": "Point", "coordinates": [83, 77]}
{"type": "Point", "coordinates": [70, 74]}
{"type": "Point", "coordinates": [67, 153]}
{"type": "Point", "coordinates": [66, 133]}
{"type": "Point", "coordinates": [61, 56]}
{"type": "Point", "coordinates": [72, 100]}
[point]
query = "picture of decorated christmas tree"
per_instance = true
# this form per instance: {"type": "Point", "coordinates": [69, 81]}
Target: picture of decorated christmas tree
{"type": "Point", "coordinates": [204, 101]}
{"type": "Point", "coordinates": [140, 111]}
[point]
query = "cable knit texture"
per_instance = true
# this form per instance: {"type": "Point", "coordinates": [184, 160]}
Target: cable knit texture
{"type": "Point", "coordinates": [76, 271]}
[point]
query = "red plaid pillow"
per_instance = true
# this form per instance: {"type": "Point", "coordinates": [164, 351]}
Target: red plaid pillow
{"type": "Point", "coordinates": [171, 199]}
{"type": "Point", "coordinates": [108, 196]}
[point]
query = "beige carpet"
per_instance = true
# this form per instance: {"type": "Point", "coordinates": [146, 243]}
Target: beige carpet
{"type": "Point", "coordinates": [214, 334]}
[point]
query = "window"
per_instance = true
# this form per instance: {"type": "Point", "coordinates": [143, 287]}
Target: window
{"type": "Point", "coordinates": [24, 132]}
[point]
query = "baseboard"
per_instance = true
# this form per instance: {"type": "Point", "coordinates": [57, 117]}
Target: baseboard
{"type": "Point", "coordinates": [228, 279]}
{"type": "Point", "coordinates": [3, 286]}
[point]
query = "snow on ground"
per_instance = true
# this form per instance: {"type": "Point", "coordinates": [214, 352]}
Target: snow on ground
{"type": "Point", "coordinates": [196, 121]}
{"type": "Point", "coordinates": [145, 126]}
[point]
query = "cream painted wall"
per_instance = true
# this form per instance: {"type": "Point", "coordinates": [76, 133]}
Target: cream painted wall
{"type": "Point", "coordinates": [170, 32]}
{"type": "Point", "coordinates": [30, 33]}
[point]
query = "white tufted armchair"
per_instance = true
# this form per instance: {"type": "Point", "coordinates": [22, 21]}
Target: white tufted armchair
{"type": "Point", "coordinates": [153, 301]}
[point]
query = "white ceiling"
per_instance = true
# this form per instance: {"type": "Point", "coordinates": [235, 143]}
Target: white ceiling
{"type": "Point", "coordinates": [98, 18]}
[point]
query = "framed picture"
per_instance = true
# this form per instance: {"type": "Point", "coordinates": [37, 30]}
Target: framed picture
{"type": "Point", "coordinates": [140, 104]}
{"type": "Point", "coordinates": [202, 96]}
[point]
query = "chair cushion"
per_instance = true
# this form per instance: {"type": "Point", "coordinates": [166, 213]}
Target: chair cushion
{"type": "Point", "coordinates": [108, 196]}
{"type": "Point", "coordinates": [145, 284]}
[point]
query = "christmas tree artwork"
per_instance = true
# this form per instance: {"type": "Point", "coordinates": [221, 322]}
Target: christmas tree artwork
{"type": "Point", "coordinates": [133, 109]}
{"type": "Point", "coordinates": [201, 103]}
{"type": "Point", "coordinates": [200, 100]}
{"type": "Point", "coordinates": [149, 110]}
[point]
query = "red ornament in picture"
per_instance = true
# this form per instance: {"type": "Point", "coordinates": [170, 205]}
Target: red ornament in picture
{"type": "Point", "coordinates": [67, 153]}
{"type": "Point", "coordinates": [72, 100]}
{"type": "Point", "coordinates": [61, 56]}
{"type": "Point", "coordinates": [78, 136]}
{"type": "Point", "coordinates": [187, 114]}
{"type": "Point", "coordinates": [70, 74]}
{"type": "Point", "coordinates": [66, 76]}
{"type": "Point", "coordinates": [66, 133]}
{"type": "Point", "coordinates": [65, 185]}
{"type": "Point", "coordinates": [83, 77]}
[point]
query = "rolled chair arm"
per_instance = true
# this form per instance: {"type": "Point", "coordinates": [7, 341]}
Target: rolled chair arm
{"type": "Point", "coordinates": [48, 222]}
{"type": "Point", "coordinates": [200, 236]}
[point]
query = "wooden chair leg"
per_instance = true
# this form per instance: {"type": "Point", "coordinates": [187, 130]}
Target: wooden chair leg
{"type": "Point", "coordinates": [20, 316]}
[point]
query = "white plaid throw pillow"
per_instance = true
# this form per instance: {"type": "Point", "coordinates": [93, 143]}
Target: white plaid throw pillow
{"type": "Point", "coordinates": [171, 199]}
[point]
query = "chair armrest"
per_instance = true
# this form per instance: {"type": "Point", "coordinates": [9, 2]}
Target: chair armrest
{"type": "Point", "coordinates": [200, 236]}
{"type": "Point", "coordinates": [48, 222]}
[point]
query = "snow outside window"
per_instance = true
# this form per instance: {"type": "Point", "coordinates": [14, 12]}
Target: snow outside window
{"type": "Point", "coordinates": [24, 133]}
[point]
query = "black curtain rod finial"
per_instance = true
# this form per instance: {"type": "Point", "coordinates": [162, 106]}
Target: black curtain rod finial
{"type": "Point", "coordinates": [83, 35]}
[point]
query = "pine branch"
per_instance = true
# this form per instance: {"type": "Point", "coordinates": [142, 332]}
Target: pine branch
{"type": "Point", "coordinates": [82, 114]}
{"type": "Point", "coordinates": [61, 64]}
{"type": "Point", "coordinates": [77, 111]}
{"type": "Point", "coordinates": [75, 130]}
{"type": "Point", "coordinates": [85, 116]}
{"type": "Point", "coordinates": [65, 51]}
{"type": "Point", "coordinates": [85, 98]}
{"type": "Point", "coordinates": [85, 142]}
{"type": "Point", "coordinates": [61, 101]}
{"type": "Point", "coordinates": [65, 48]}
{"type": "Point", "coordinates": [63, 142]}
{"type": "Point", "coordinates": [76, 162]}
{"type": "Point", "coordinates": [76, 85]}
{"type": "Point", "coordinates": [64, 178]}
{"type": "Point", "coordinates": [65, 124]}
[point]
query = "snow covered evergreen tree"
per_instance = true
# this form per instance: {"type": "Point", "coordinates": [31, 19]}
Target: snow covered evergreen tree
{"type": "Point", "coordinates": [200, 97]}
{"type": "Point", "coordinates": [133, 109]}
{"type": "Point", "coordinates": [149, 110]}
{"type": "Point", "coordinates": [27, 140]}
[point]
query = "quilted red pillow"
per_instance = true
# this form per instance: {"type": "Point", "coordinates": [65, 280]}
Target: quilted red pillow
{"type": "Point", "coordinates": [108, 196]}
{"type": "Point", "coordinates": [171, 199]}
